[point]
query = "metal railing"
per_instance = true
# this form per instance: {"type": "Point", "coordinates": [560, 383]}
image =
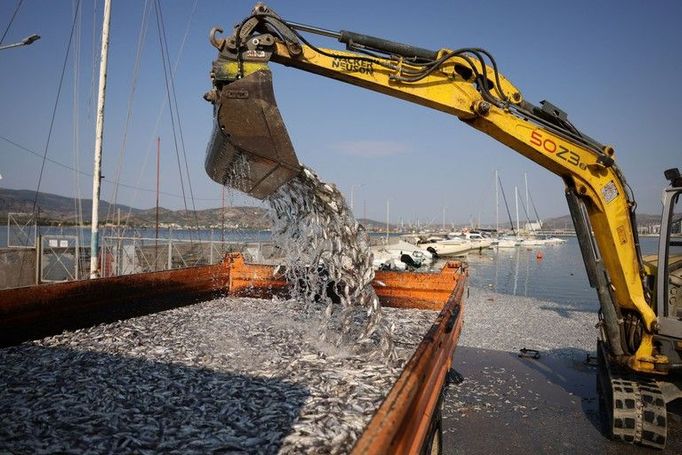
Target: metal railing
{"type": "Point", "coordinates": [21, 230]}
{"type": "Point", "coordinates": [59, 258]}
{"type": "Point", "coordinates": [126, 255]}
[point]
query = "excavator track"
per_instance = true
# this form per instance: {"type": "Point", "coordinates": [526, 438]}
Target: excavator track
{"type": "Point", "coordinates": [633, 409]}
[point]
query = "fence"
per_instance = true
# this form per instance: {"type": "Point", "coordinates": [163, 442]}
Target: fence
{"type": "Point", "coordinates": [126, 255]}
{"type": "Point", "coordinates": [21, 230]}
{"type": "Point", "coordinates": [62, 258]}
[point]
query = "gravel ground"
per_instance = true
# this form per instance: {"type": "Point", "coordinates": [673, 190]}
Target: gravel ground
{"type": "Point", "coordinates": [502, 322]}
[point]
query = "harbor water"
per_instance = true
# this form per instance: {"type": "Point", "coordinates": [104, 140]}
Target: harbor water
{"type": "Point", "coordinates": [559, 276]}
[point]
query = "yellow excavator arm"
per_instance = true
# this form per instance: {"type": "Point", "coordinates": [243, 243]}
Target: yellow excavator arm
{"type": "Point", "coordinates": [465, 83]}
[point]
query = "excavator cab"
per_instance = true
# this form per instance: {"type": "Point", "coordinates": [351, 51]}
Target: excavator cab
{"type": "Point", "coordinates": [669, 284]}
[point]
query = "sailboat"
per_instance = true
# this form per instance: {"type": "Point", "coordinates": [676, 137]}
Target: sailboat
{"type": "Point", "coordinates": [504, 241]}
{"type": "Point", "coordinates": [532, 239]}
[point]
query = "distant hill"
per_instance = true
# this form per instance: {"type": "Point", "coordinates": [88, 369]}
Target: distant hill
{"type": "Point", "coordinates": [565, 222]}
{"type": "Point", "coordinates": [55, 209]}
{"type": "Point", "coordinates": [50, 205]}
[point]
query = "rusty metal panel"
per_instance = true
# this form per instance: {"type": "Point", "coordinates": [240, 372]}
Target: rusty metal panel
{"type": "Point", "coordinates": [427, 291]}
{"type": "Point", "coordinates": [253, 280]}
{"type": "Point", "coordinates": [37, 311]}
{"type": "Point", "coordinates": [401, 423]}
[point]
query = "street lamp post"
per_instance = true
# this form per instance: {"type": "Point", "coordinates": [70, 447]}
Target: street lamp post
{"type": "Point", "coordinates": [25, 42]}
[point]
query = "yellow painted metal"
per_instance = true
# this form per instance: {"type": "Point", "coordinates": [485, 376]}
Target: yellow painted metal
{"type": "Point", "coordinates": [230, 68]}
{"type": "Point", "coordinates": [447, 91]}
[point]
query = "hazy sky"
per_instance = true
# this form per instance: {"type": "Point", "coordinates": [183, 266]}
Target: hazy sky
{"type": "Point", "coordinates": [614, 66]}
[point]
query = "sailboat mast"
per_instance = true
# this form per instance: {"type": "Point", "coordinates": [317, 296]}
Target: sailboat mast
{"type": "Point", "coordinates": [158, 180]}
{"type": "Point", "coordinates": [387, 218]}
{"type": "Point", "coordinates": [497, 205]}
{"type": "Point", "coordinates": [525, 180]}
{"type": "Point", "coordinates": [516, 200]}
{"type": "Point", "coordinates": [443, 219]}
{"type": "Point", "coordinates": [99, 135]}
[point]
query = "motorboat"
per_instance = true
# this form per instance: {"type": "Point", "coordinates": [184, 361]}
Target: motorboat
{"type": "Point", "coordinates": [450, 247]}
{"type": "Point", "coordinates": [509, 242]}
{"type": "Point", "coordinates": [534, 241]}
{"type": "Point", "coordinates": [396, 255]}
{"type": "Point", "coordinates": [457, 246]}
{"type": "Point", "coordinates": [477, 240]}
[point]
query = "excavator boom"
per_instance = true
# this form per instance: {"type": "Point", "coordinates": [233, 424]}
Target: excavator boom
{"type": "Point", "coordinates": [465, 83]}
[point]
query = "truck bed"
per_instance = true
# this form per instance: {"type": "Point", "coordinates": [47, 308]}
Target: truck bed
{"type": "Point", "coordinates": [232, 373]}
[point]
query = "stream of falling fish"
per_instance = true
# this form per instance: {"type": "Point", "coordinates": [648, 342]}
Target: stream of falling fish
{"type": "Point", "coordinates": [328, 261]}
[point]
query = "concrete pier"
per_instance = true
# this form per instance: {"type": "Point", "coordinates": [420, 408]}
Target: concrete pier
{"type": "Point", "coordinates": [513, 405]}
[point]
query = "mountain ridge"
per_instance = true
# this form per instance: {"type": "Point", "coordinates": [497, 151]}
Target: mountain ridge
{"type": "Point", "coordinates": [57, 209]}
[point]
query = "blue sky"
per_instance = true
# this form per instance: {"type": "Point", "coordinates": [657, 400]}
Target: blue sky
{"type": "Point", "coordinates": [614, 66]}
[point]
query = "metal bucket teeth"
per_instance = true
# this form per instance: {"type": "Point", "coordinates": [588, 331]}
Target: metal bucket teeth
{"type": "Point", "coordinates": [250, 149]}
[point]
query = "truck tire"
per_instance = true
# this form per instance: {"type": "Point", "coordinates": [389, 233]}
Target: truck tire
{"type": "Point", "coordinates": [433, 445]}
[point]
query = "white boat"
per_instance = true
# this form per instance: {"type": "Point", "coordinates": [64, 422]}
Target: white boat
{"type": "Point", "coordinates": [556, 241]}
{"type": "Point", "coordinates": [509, 242]}
{"type": "Point", "coordinates": [400, 255]}
{"type": "Point", "coordinates": [429, 240]}
{"type": "Point", "coordinates": [450, 247]}
{"type": "Point", "coordinates": [457, 246]}
{"type": "Point", "coordinates": [477, 240]}
{"type": "Point", "coordinates": [533, 241]}
{"type": "Point", "coordinates": [388, 262]}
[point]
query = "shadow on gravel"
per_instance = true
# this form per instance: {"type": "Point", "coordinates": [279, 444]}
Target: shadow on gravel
{"type": "Point", "coordinates": [570, 369]}
{"type": "Point", "coordinates": [513, 405]}
{"type": "Point", "coordinates": [62, 400]}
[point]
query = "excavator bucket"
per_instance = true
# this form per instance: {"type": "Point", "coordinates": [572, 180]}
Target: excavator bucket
{"type": "Point", "coordinates": [250, 149]}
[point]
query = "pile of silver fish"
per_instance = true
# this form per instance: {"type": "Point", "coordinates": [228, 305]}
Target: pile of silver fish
{"type": "Point", "coordinates": [228, 375]}
{"type": "Point", "coordinates": [327, 258]}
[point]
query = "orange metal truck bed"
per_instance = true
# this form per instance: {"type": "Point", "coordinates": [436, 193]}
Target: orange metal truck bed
{"type": "Point", "coordinates": [401, 423]}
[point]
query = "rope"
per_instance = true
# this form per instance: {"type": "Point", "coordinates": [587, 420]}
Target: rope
{"type": "Point", "coordinates": [83, 173]}
{"type": "Point", "coordinates": [78, 206]}
{"type": "Point", "coordinates": [177, 110]}
{"type": "Point", "coordinates": [54, 110]}
{"type": "Point", "coordinates": [133, 87]}
{"type": "Point", "coordinates": [14, 15]}
{"type": "Point", "coordinates": [155, 131]}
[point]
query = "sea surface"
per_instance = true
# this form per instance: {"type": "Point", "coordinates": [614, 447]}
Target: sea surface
{"type": "Point", "coordinates": [17, 236]}
{"type": "Point", "coordinates": [559, 276]}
